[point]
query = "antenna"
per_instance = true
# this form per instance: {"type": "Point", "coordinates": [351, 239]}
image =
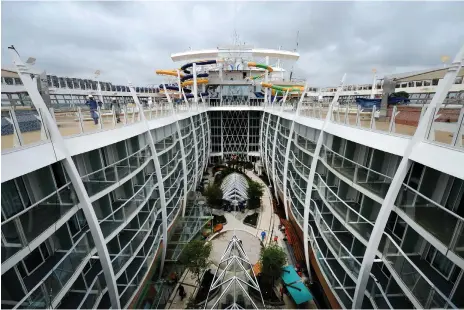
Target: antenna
{"type": "Point", "coordinates": [296, 49]}
{"type": "Point", "coordinates": [297, 35]}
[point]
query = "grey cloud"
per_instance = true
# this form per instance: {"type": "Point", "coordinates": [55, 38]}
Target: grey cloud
{"type": "Point", "coordinates": [129, 40]}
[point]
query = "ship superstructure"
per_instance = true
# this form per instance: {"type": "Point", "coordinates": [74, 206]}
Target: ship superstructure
{"type": "Point", "coordinates": [376, 195]}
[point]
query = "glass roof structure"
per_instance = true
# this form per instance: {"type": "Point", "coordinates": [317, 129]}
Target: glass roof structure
{"type": "Point", "coordinates": [235, 280]}
{"type": "Point", "coordinates": [234, 188]}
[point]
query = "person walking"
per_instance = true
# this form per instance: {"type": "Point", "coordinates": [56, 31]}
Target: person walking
{"type": "Point", "coordinates": [182, 292]}
{"type": "Point", "coordinates": [93, 108]}
{"type": "Point", "coordinates": [117, 109]}
{"type": "Point", "coordinates": [263, 235]}
{"type": "Point", "coordinates": [275, 239]}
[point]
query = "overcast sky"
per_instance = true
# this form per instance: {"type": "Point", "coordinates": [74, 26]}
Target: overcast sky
{"type": "Point", "coordinates": [129, 40]}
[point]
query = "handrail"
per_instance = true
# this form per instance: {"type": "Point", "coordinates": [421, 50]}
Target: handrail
{"type": "Point", "coordinates": [35, 204]}
{"type": "Point", "coordinates": [433, 202]}
{"type": "Point", "coordinates": [355, 163]}
{"type": "Point", "coordinates": [89, 290]}
{"type": "Point", "coordinates": [115, 163]}
{"type": "Point", "coordinates": [314, 239]}
{"type": "Point", "coordinates": [141, 265]}
{"type": "Point", "coordinates": [346, 250]}
{"type": "Point", "coordinates": [398, 248]}
{"type": "Point", "coordinates": [47, 275]}
{"type": "Point", "coordinates": [133, 237]}
{"type": "Point", "coordinates": [137, 250]}
{"type": "Point", "coordinates": [142, 187]}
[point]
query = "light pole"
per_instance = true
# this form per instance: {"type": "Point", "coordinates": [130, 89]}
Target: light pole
{"type": "Point", "coordinates": [97, 74]}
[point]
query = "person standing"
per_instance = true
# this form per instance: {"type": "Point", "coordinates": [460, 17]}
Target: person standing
{"type": "Point", "coordinates": [182, 292]}
{"type": "Point", "coordinates": [275, 239]}
{"type": "Point", "coordinates": [263, 235]}
{"type": "Point", "coordinates": [93, 108]}
{"type": "Point", "coordinates": [117, 109]}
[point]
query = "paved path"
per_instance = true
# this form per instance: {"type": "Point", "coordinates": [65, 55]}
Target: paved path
{"type": "Point", "coordinates": [267, 221]}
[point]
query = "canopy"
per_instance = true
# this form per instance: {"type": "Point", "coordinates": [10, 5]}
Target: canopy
{"type": "Point", "coordinates": [295, 287]}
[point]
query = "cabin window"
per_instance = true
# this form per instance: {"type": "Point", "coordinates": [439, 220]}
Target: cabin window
{"type": "Point", "coordinates": [244, 74]}
{"type": "Point", "coordinates": [9, 81]}
{"type": "Point", "coordinates": [418, 83]}
{"type": "Point", "coordinates": [411, 84]}
{"type": "Point", "coordinates": [427, 83]}
{"type": "Point", "coordinates": [435, 82]}
{"type": "Point", "coordinates": [404, 85]}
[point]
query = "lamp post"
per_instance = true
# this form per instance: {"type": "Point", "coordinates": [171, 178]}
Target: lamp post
{"type": "Point", "coordinates": [97, 74]}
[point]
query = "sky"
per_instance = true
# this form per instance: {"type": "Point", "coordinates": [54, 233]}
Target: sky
{"type": "Point", "coordinates": [130, 40]}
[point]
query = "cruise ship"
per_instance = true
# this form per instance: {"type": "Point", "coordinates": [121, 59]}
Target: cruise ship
{"type": "Point", "coordinates": [93, 214]}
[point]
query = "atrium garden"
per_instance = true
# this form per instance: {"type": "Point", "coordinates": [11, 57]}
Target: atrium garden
{"type": "Point", "coordinates": [232, 250]}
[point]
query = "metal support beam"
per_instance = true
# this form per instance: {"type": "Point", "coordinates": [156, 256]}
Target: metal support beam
{"type": "Point", "coordinates": [159, 178]}
{"type": "Point", "coordinates": [312, 171]}
{"type": "Point", "coordinates": [287, 151]}
{"type": "Point", "coordinates": [420, 135]}
{"type": "Point", "coordinates": [70, 167]}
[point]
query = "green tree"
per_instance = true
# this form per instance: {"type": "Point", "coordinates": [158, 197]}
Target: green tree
{"type": "Point", "coordinates": [272, 259]}
{"type": "Point", "coordinates": [255, 192]}
{"type": "Point", "coordinates": [213, 194]}
{"type": "Point", "coordinates": [195, 256]}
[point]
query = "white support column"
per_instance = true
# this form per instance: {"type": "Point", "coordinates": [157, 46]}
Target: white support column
{"type": "Point", "coordinates": [181, 90]}
{"type": "Point", "coordinates": [261, 133]}
{"type": "Point", "coordinates": [265, 162]}
{"type": "Point", "coordinates": [195, 85]}
{"type": "Point", "coordinates": [70, 167]}
{"type": "Point", "coordinates": [287, 151]}
{"type": "Point", "coordinates": [159, 178]}
{"type": "Point", "coordinates": [266, 80]}
{"type": "Point", "coordinates": [312, 171]}
{"type": "Point", "coordinates": [209, 134]}
{"type": "Point", "coordinates": [248, 136]}
{"type": "Point", "coordinates": [274, 174]}
{"type": "Point", "coordinates": [222, 137]}
{"type": "Point", "coordinates": [195, 145]}
{"type": "Point", "coordinates": [184, 166]}
{"type": "Point", "coordinates": [420, 135]}
{"type": "Point", "coordinates": [203, 139]}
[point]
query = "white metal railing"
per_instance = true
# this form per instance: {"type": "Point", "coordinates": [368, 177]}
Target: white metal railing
{"type": "Point", "coordinates": [398, 265]}
{"type": "Point", "coordinates": [344, 253]}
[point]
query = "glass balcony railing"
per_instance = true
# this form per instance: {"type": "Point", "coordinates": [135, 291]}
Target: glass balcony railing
{"type": "Point", "coordinates": [94, 292]}
{"type": "Point", "coordinates": [124, 212]}
{"type": "Point", "coordinates": [374, 292]}
{"type": "Point", "coordinates": [443, 224]}
{"type": "Point", "coordinates": [396, 258]}
{"type": "Point", "coordinates": [44, 292]}
{"type": "Point", "coordinates": [447, 127]}
{"type": "Point", "coordinates": [329, 275]}
{"type": "Point", "coordinates": [133, 246]}
{"type": "Point", "coordinates": [24, 227]}
{"type": "Point", "coordinates": [418, 284]}
{"type": "Point", "coordinates": [371, 180]}
{"type": "Point", "coordinates": [22, 127]}
{"type": "Point", "coordinates": [97, 181]}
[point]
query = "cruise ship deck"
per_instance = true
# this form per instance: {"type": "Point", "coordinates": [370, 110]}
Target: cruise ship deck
{"type": "Point", "coordinates": [91, 212]}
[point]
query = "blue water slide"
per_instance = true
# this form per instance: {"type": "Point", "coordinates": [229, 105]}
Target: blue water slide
{"type": "Point", "coordinates": [175, 88]}
{"type": "Point", "coordinates": [200, 63]}
{"type": "Point", "coordinates": [190, 76]}
{"type": "Point", "coordinates": [191, 95]}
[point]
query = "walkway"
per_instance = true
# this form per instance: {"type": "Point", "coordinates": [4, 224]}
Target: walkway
{"type": "Point", "coordinates": [267, 221]}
